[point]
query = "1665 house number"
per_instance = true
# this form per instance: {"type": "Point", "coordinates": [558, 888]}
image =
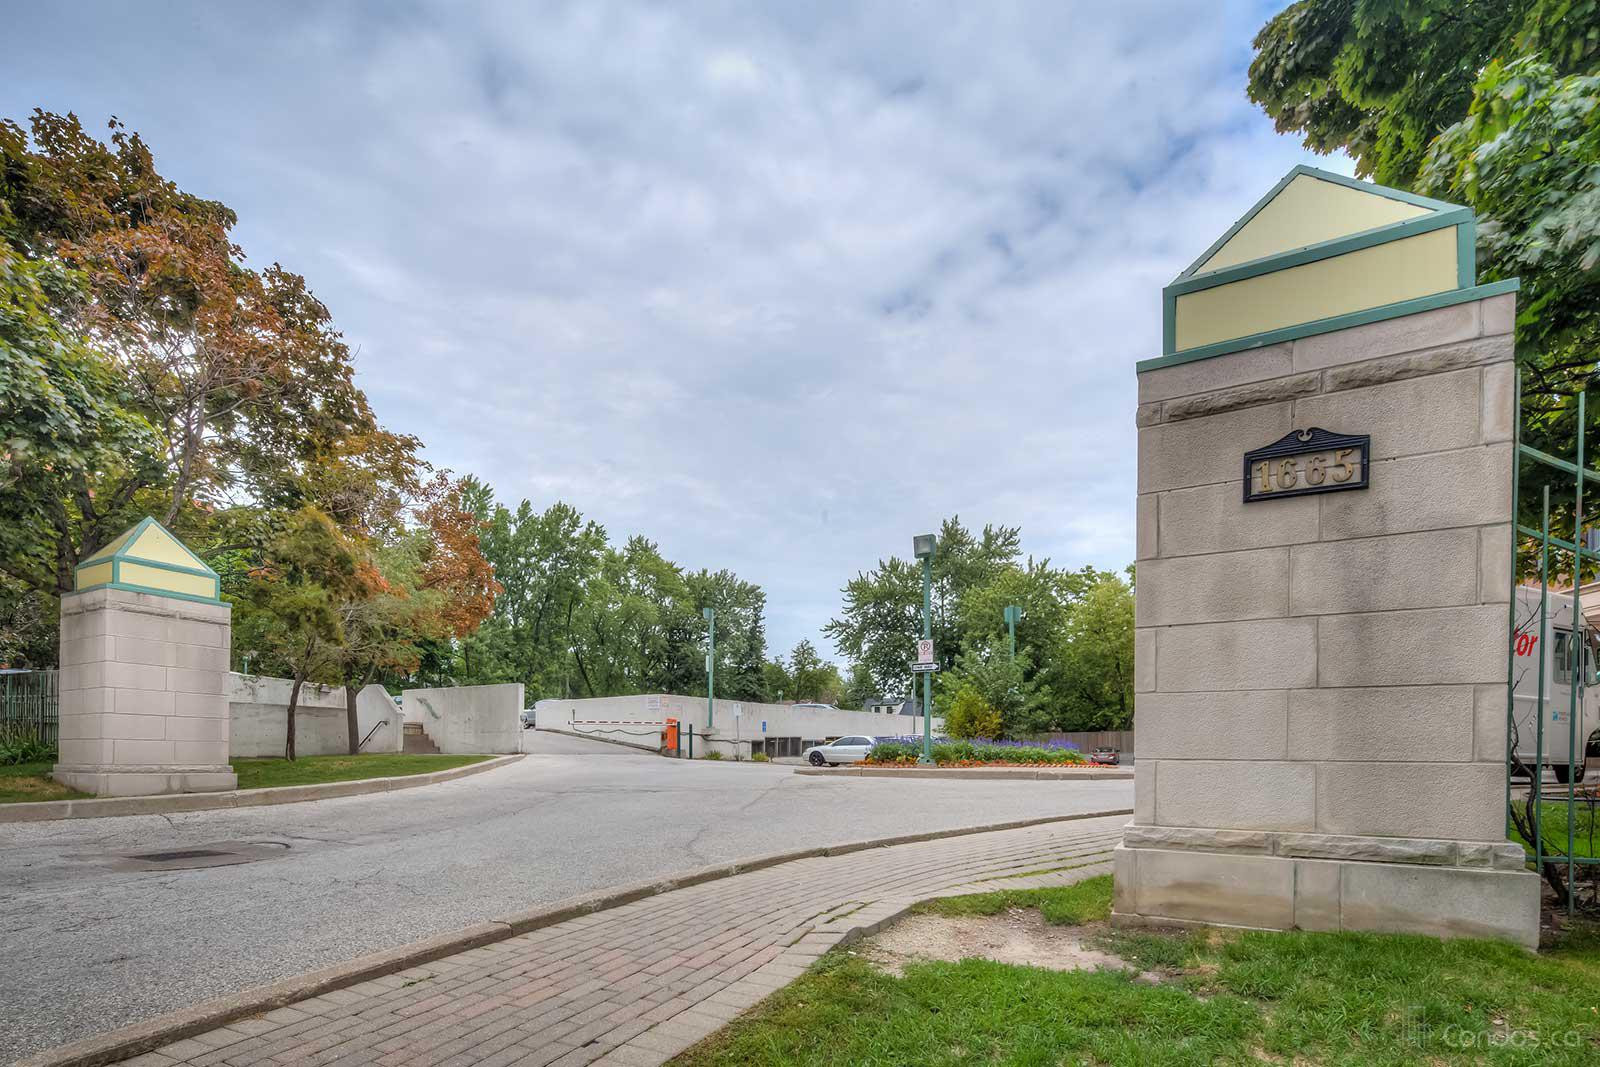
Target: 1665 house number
{"type": "Point", "coordinates": [1306, 461]}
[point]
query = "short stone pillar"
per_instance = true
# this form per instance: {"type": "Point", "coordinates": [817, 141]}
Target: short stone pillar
{"type": "Point", "coordinates": [1323, 578]}
{"type": "Point", "coordinates": [144, 666]}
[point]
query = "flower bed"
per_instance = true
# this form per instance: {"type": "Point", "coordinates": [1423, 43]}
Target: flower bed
{"type": "Point", "coordinates": [904, 751]}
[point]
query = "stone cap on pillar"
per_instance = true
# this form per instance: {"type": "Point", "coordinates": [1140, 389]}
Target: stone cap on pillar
{"type": "Point", "coordinates": [1320, 252]}
{"type": "Point", "coordinates": [149, 559]}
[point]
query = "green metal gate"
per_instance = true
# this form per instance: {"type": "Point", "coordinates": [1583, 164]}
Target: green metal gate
{"type": "Point", "coordinates": [1554, 821]}
{"type": "Point", "coordinates": [28, 706]}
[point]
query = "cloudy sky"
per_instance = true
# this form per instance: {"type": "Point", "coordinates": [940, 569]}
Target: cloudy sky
{"type": "Point", "coordinates": [778, 285]}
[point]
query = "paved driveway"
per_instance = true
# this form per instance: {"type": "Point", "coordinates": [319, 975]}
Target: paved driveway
{"type": "Point", "coordinates": [87, 946]}
{"type": "Point", "coordinates": [632, 986]}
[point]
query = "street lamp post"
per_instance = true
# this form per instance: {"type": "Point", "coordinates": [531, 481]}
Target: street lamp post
{"type": "Point", "coordinates": [711, 666]}
{"type": "Point", "coordinates": [923, 545]}
{"type": "Point", "coordinates": [1012, 614]}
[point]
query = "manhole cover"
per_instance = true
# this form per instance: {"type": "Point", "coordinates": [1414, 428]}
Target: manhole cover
{"type": "Point", "coordinates": [220, 854]}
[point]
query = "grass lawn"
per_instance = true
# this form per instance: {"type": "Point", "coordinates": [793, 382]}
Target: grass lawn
{"type": "Point", "coordinates": [1553, 829]}
{"type": "Point", "coordinates": [31, 781]}
{"type": "Point", "coordinates": [1226, 997]}
{"type": "Point", "coordinates": [23, 782]}
{"type": "Point", "coordinates": [311, 770]}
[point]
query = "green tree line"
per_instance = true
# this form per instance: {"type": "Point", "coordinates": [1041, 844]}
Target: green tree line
{"type": "Point", "coordinates": [1073, 668]}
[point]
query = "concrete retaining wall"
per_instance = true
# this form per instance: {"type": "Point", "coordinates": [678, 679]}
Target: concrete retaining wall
{"type": "Point", "coordinates": [740, 726]}
{"type": "Point", "coordinates": [258, 707]}
{"type": "Point", "coordinates": [469, 718]}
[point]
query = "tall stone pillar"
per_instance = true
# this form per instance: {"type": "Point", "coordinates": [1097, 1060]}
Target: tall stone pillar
{"type": "Point", "coordinates": [144, 665]}
{"type": "Point", "coordinates": [1324, 569]}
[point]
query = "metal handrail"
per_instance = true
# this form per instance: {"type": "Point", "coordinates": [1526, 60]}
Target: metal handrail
{"type": "Point", "coordinates": [380, 724]}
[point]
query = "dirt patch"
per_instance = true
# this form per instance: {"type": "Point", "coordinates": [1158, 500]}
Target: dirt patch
{"type": "Point", "coordinates": [1019, 936]}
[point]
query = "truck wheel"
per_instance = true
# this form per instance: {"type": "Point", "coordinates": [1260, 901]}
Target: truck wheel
{"type": "Point", "coordinates": [1561, 770]}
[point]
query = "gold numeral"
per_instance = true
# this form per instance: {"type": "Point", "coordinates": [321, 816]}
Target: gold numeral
{"type": "Point", "coordinates": [1288, 474]}
{"type": "Point", "coordinates": [1345, 469]}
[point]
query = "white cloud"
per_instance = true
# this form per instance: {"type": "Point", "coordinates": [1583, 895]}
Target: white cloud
{"type": "Point", "coordinates": [777, 287]}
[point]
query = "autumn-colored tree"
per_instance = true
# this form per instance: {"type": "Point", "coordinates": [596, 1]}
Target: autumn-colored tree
{"type": "Point", "coordinates": [429, 583]}
{"type": "Point", "coordinates": [294, 601]}
{"type": "Point", "coordinates": [239, 373]}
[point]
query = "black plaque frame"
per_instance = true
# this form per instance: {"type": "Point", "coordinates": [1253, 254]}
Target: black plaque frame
{"type": "Point", "coordinates": [1297, 442]}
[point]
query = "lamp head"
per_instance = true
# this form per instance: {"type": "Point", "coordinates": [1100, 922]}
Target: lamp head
{"type": "Point", "coordinates": [922, 545]}
{"type": "Point", "coordinates": [709, 613]}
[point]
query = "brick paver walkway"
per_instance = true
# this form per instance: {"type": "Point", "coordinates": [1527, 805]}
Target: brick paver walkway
{"type": "Point", "coordinates": [635, 985]}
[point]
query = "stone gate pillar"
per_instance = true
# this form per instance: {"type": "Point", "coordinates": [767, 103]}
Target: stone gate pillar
{"type": "Point", "coordinates": [144, 665]}
{"type": "Point", "coordinates": [1324, 569]}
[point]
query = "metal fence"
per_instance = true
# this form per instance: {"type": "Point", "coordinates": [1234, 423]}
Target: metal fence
{"type": "Point", "coordinates": [28, 705]}
{"type": "Point", "coordinates": [1555, 822]}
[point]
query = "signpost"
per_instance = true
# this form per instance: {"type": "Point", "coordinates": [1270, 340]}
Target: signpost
{"type": "Point", "coordinates": [922, 546]}
{"type": "Point", "coordinates": [711, 665]}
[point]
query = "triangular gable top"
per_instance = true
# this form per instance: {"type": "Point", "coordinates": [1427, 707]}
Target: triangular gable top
{"type": "Point", "coordinates": [112, 547]}
{"type": "Point", "coordinates": [149, 559]}
{"type": "Point", "coordinates": [150, 542]}
{"type": "Point", "coordinates": [1310, 207]}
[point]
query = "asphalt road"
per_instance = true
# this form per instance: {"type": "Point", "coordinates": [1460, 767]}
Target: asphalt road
{"type": "Point", "coordinates": [88, 944]}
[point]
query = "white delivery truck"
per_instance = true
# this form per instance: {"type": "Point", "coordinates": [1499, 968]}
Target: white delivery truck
{"type": "Point", "coordinates": [1568, 661]}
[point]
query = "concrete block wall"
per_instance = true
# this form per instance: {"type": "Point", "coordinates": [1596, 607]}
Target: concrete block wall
{"type": "Point", "coordinates": [1326, 668]}
{"type": "Point", "coordinates": [731, 736]}
{"type": "Point", "coordinates": [143, 680]}
{"type": "Point", "coordinates": [258, 707]}
{"type": "Point", "coordinates": [469, 718]}
{"type": "Point", "coordinates": [1314, 664]}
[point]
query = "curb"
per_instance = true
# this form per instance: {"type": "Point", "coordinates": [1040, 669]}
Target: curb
{"type": "Point", "coordinates": [146, 1036]}
{"type": "Point", "coordinates": [1041, 774]}
{"type": "Point", "coordinates": [101, 807]}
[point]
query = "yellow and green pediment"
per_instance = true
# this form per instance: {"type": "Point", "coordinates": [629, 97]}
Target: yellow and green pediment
{"type": "Point", "coordinates": [1320, 252]}
{"type": "Point", "coordinates": [149, 559]}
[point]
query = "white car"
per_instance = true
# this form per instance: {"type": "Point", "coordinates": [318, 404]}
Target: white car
{"type": "Point", "coordinates": [851, 749]}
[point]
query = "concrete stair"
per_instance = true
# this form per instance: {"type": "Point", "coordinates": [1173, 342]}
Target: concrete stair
{"type": "Point", "coordinates": [417, 740]}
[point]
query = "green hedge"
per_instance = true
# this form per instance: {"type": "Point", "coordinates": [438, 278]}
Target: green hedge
{"type": "Point", "coordinates": [955, 753]}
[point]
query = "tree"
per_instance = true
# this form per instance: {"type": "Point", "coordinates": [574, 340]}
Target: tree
{"type": "Point", "coordinates": [975, 578]}
{"type": "Point", "coordinates": [579, 616]}
{"type": "Point", "coordinates": [775, 680]}
{"type": "Point", "coordinates": [1009, 687]}
{"type": "Point", "coordinates": [741, 631]}
{"type": "Point", "coordinates": [1527, 157]}
{"type": "Point", "coordinates": [1096, 652]}
{"type": "Point", "coordinates": [70, 434]}
{"type": "Point", "coordinates": [1490, 103]}
{"type": "Point", "coordinates": [424, 582]}
{"type": "Point", "coordinates": [861, 688]}
{"type": "Point", "coordinates": [969, 715]}
{"type": "Point", "coordinates": [293, 602]}
{"type": "Point", "coordinates": [814, 680]}
{"type": "Point", "coordinates": [882, 614]}
{"type": "Point", "coordinates": [238, 374]}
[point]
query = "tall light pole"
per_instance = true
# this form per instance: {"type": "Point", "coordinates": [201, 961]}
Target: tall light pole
{"type": "Point", "coordinates": [711, 666]}
{"type": "Point", "coordinates": [1012, 614]}
{"type": "Point", "coordinates": [922, 545]}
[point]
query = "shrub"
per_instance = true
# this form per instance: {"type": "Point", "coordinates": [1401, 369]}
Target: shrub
{"type": "Point", "coordinates": [961, 752]}
{"type": "Point", "coordinates": [970, 715]}
{"type": "Point", "coordinates": [760, 757]}
{"type": "Point", "coordinates": [713, 754]}
{"type": "Point", "coordinates": [19, 747]}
